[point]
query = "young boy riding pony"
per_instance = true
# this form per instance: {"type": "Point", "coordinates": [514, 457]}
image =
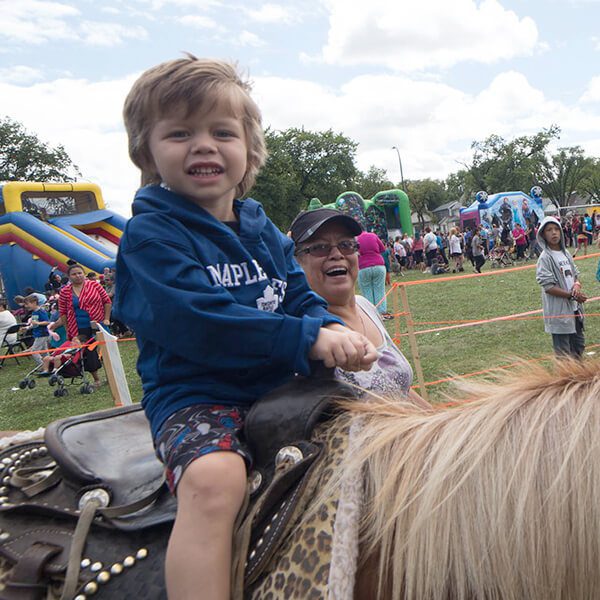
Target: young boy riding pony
{"type": "Point", "coordinates": [221, 310]}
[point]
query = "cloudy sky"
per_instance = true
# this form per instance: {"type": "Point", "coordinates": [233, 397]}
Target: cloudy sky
{"type": "Point", "coordinates": [427, 76]}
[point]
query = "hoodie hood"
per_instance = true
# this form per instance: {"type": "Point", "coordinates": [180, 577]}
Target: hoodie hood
{"type": "Point", "coordinates": [540, 238]}
{"type": "Point", "coordinates": [155, 199]}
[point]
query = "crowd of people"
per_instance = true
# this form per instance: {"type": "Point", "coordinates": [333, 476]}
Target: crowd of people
{"type": "Point", "coordinates": [439, 252]}
{"type": "Point", "coordinates": [580, 231]}
{"type": "Point", "coordinates": [67, 310]}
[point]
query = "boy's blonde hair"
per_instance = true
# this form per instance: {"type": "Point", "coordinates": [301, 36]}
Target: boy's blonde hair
{"type": "Point", "coordinates": [190, 84]}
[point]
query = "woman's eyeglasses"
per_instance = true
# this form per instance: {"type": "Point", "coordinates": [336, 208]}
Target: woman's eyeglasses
{"type": "Point", "coordinates": [345, 247]}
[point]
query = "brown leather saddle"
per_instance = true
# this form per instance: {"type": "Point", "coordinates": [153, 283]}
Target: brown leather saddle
{"type": "Point", "coordinates": [87, 511]}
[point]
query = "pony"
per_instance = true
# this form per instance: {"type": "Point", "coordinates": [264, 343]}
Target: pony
{"type": "Point", "coordinates": [496, 497]}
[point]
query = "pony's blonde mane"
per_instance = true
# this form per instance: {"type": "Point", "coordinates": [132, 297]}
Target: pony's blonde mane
{"type": "Point", "coordinates": [497, 498]}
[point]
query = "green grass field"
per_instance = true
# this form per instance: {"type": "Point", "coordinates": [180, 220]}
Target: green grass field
{"type": "Point", "coordinates": [455, 351]}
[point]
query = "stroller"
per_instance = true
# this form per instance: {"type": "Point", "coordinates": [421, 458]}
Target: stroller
{"type": "Point", "coordinates": [72, 368]}
{"type": "Point", "coordinates": [29, 380]}
{"type": "Point", "coordinates": [500, 257]}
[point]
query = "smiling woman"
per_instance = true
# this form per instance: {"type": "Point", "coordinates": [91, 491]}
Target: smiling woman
{"type": "Point", "coordinates": [327, 250]}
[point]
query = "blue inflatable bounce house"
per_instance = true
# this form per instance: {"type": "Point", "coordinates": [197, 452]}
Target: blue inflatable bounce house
{"type": "Point", "coordinates": [504, 210]}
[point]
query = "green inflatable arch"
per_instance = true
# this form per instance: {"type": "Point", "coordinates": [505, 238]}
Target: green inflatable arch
{"type": "Point", "coordinates": [386, 211]}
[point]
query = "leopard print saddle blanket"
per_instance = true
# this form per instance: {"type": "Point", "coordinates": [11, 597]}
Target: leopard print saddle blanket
{"type": "Point", "coordinates": [317, 557]}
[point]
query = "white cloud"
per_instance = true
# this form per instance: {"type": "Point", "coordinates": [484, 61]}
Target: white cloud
{"type": "Point", "coordinates": [36, 21]}
{"type": "Point", "coordinates": [432, 123]}
{"type": "Point", "coordinates": [592, 92]}
{"type": "Point", "coordinates": [159, 4]}
{"type": "Point", "coordinates": [20, 74]}
{"type": "Point", "coordinates": [409, 35]}
{"type": "Point", "coordinates": [247, 38]}
{"type": "Point", "coordinates": [272, 13]}
{"type": "Point", "coordinates": [111, 10]}
{"type": "Point", "coordinates": [197, 21]}
{"type": "Point", "coordinates": [596, 43]}
{"type": "Point", "coordinates": [97, 33]}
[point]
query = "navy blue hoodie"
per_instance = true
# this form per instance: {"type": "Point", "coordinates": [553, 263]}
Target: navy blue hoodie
{"type": "Point", "coordinates": [219, 317]}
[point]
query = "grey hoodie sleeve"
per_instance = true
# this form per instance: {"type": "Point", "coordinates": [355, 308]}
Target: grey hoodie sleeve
{"type": "Point", "coordinates": [545, 274]}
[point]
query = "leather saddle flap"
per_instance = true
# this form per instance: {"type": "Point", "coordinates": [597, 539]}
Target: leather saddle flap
{"type": "Point", "coordinates": [290, 413]}
{"type": "Point", "coordinates": [110, 448]}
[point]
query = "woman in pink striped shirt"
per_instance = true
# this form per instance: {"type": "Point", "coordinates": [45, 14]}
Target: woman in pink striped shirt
{"type": "Point", "coordinates": [371, 276]}
{"type": "Point", "coordinates": [82, 303]}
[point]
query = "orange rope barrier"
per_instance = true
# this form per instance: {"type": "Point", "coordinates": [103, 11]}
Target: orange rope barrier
{"type": "Point", "coordinates": [514, 317]}
{"type": "Point", "coordinates": [491, 369]}
{"type": "Point", "coordinates": [474, 275]}
{"type": "Point", "coordinates": [461, 323]}
{"type": "Point", "coordinates": [31, 353]}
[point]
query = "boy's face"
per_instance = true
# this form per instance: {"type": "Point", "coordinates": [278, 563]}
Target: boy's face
{"type": "Point", "coordinates": [201, 157]}
{"type": "Point", "coordinates": [551, 234]}
{"type": "Point", "coordinates": [31, 305]}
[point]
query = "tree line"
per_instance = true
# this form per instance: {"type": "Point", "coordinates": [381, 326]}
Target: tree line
{"type": "Point", "coordinates": [305, 164]}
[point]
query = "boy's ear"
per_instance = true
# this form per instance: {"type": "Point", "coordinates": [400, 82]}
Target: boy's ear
{"type": "Point", "coordinates": [148, 168]}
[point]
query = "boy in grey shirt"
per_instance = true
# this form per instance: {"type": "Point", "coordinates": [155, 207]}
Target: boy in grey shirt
{"type": "Point", "coordinates": [562, 298]}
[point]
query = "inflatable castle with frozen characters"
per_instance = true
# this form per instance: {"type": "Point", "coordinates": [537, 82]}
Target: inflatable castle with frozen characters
{"type": "Point", "coordinates": [505, 209]}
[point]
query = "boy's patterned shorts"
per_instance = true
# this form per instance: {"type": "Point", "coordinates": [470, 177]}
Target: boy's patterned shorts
{"type": "Point", "coordinates": [195, 431]}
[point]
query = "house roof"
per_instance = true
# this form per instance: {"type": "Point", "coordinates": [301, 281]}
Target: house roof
{"type": "Point", "coordinates": [448, 220]}
{"type": "Point", "coordinates": [447, 206]}
{"type": "Point", "coordinates": [414, 218]}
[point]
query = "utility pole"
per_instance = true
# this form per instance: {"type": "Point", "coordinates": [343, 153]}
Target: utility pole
{"type": "Point", "coordinates": [400, 163]}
